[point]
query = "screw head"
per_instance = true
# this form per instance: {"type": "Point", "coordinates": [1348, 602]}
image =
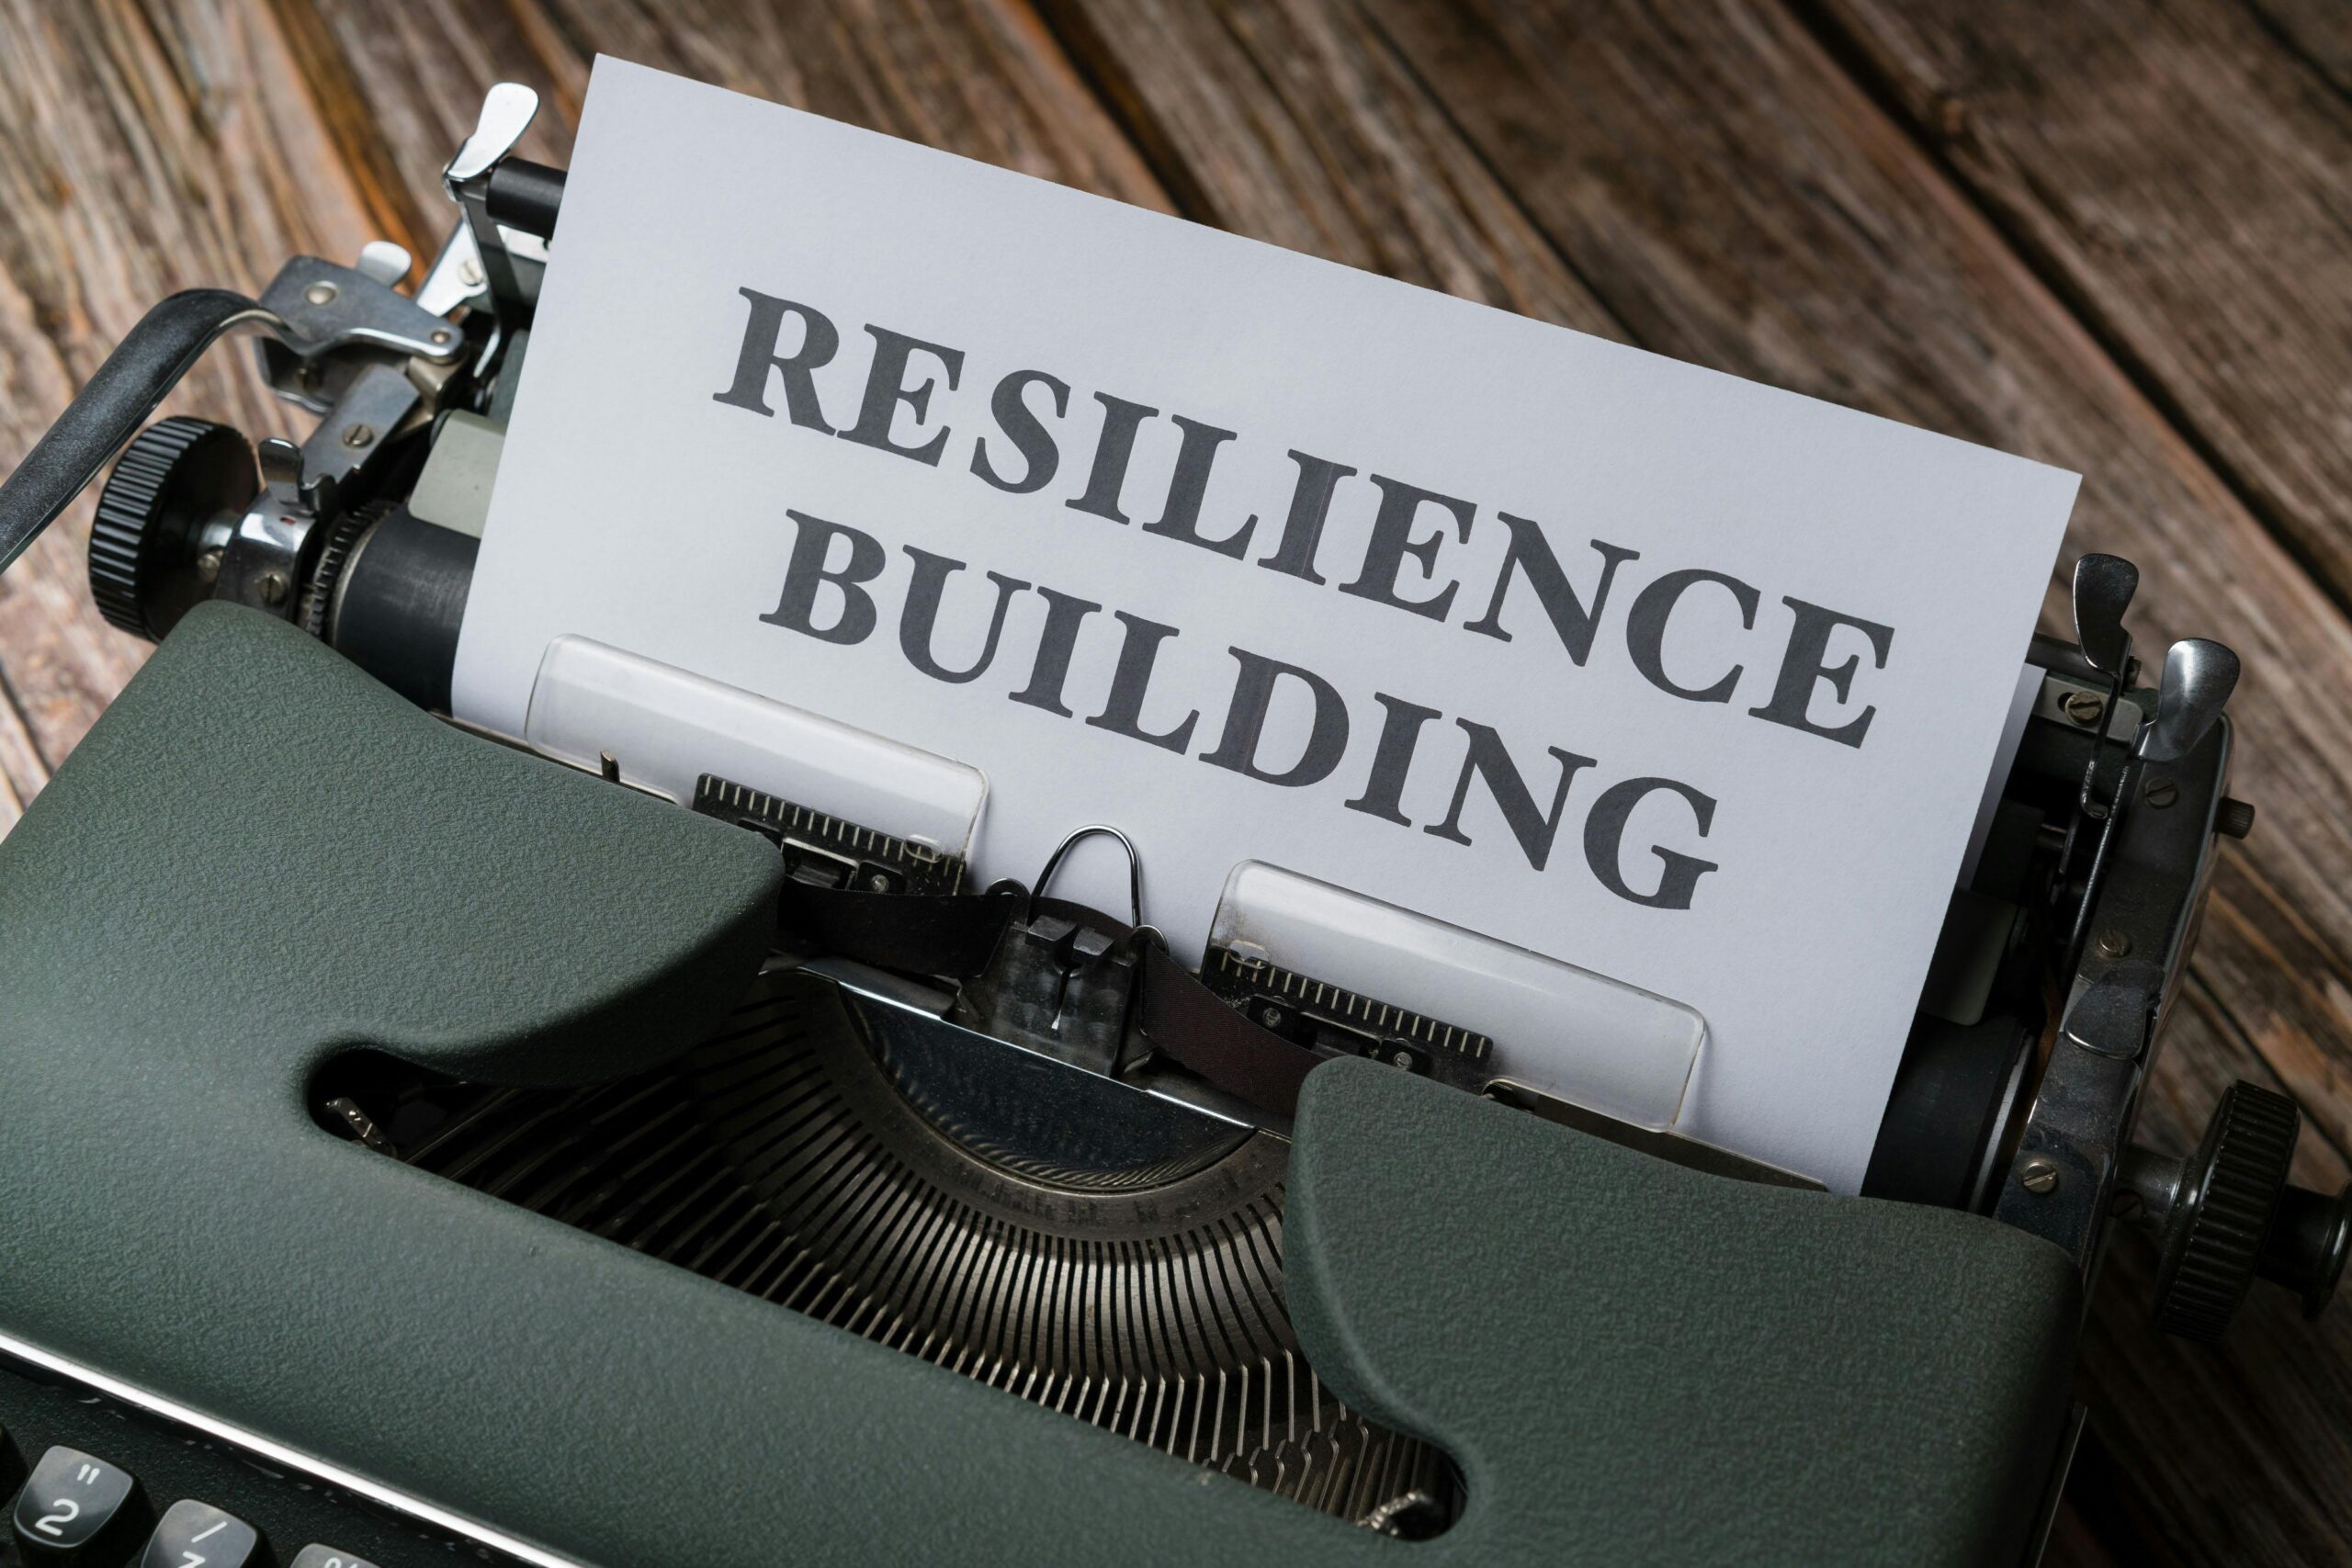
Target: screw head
{"type": "Point", "coordinates": [358, 434]}
{"type": "Point", "coordinates": [2113, 944]}
{"type": "Point", "coordinates": [320, 293]}
{"type": "Point", "coordinates": [272, 587]}
{"type": "Point", "coordinates": [440, 338]}
{"type": "Point", "coordinates": [2083, 708]}
{"type": "Point", "coordinates": [2162, 793]}
{"type": "Point", "coordinates": [879, 882]}
{"type": "Point", "coordinates": [1401, 1057]}
{"type": "Point", "coordinates": [2038, 1176]}
{"type": "Point", "coordinates": [469, 273]}
{"type": "Point", "coordinates": [207, 564]}
{"type": "Point", "coordinates": [1270, 1017]}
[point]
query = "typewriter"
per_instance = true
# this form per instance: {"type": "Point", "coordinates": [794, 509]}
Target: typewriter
{"type": "Point", "coordinates": [633, 1143]}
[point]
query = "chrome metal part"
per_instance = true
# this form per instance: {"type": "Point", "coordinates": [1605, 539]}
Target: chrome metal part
{"type": "Point", "coordinates": [262, 560]}
{"type": "Point", "coordinates": [2115, 1015]}
{"type": "Point", "coordinates": [826, 850]}
{"type": "Point", "coordinates": [325, 306]}
{"type": "Point", "coordinates": [1310, 1012]}
{"type": "Point", "coordinates": [363, 421]}
{"type": "Point", "coordinates": [1094, 831]}
{"type": "Point", "coordinates": [2103, 588]}
{"type": "Point", "coordinates": [507, 111]}
{"type": "Point", "coordinates": [1063, 986]}
{"type": "Point", "coordinates": [2063, 700]}
{"type": "Point", "coordinates": [2198, 678]}
{"type": "Point", "coordinates": [2147, 888]}
{"type": "Point", "coordinates": [385, 262]}
{"type": "Point", "coordinates": [2226, 1214]}
{"type": "Point", "coordinates": [455, 279]}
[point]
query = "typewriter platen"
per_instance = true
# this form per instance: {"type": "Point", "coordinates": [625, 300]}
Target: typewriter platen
{"type": "Point", "coordinates": [1011, 1141]}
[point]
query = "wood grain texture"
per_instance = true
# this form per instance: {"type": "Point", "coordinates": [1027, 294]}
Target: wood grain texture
{"type": "Point", "coordinates": [140, 153]}
{"type": "Point", "coordinates": [966, 75]}
{"type": "Point", "coordinates": [2108, 239]}
{"type": "Point", "coordinates": [2187, 185]}
{"type": "Point", "coordinates": [2317, 32]}
{"type": "Point", "coordinates": [1296, 125]}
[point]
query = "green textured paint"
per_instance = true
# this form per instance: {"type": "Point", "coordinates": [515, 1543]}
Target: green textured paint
{"type": "Point", "coordinates": [1664, 1367]}
{"type": "Point", "coordinates": [259, 855]}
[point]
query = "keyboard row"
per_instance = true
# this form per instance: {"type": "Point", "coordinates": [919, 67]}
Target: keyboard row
{"type": "Point", "coordinates": [73, 1505]}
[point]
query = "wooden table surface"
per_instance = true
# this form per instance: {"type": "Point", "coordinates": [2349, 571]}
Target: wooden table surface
{"type": "Point", "coordinates": [2116, 237]}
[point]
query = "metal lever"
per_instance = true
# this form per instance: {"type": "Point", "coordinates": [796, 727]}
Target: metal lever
{"type": "Point", "coordinates": [2116, 1014]}
{"type": "Point", "coordinates": [2197, 680]}
{"type": "Point", "coordinates": [2103, 590]}
{"type": "Point", "coordinates": [507, 110]}
{"type": "Point", "coordinates": [110, 408]}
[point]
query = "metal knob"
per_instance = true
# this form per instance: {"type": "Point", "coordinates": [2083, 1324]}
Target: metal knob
{"type": "Point", "coordinates": [164, 514]}
{"type": "Point", "coordinates": [2227, 1215]}
{"type": "Point", "coordinates": [2305, 1249]}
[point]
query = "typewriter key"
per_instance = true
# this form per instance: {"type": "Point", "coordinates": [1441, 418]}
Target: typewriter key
{"type": "Point", "coordinates": [71, 1497]}
{"type": "Point", "coordinates": [198, 1534]}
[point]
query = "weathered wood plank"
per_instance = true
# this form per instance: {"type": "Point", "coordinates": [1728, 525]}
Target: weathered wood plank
{"type": "Point", "coordinates": [22, 771]}
{"type": "Point", "coordinates": [138, 155]}
{"type": "Point", "coordinates": [408, 80]}
{"type": "Point", "coordinates": [2185, 177]}
{"type": "Point", "coordinates": [969, 75]}
{"type": "Point", "coordinates": [2318, 31]}
{"type": "Point", "coordinates": [1292, 126]}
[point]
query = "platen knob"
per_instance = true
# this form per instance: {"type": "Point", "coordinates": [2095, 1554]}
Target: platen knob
{"type": "Point", "coordinates": [152, 553]}
{"type": "Point", "coordinates": [2228, 1193]}
{"type": "Point", "coordinates": [2311, 1236]}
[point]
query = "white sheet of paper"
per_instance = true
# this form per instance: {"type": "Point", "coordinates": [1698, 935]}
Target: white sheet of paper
{"type": "Point", "coordinates": [636, 507]}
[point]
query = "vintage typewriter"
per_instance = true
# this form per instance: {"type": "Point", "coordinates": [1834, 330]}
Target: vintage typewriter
{"type": "Point", "coordinates": [633, 1143]}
